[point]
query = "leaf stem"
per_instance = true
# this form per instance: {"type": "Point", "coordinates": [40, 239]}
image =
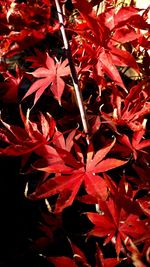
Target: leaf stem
{"type": "Point", "coordinates": [74, 75]}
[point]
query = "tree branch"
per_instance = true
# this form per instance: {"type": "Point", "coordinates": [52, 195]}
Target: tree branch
{"type": "Point", "coordinates": [74, 75]}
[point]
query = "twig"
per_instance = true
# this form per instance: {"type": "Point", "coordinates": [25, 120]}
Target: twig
{"type": "Point", "coordinates": [73, 71]}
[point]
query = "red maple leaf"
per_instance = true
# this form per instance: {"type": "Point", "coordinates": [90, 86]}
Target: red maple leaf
{"type": "Point", "coordinates": [131, 110]}
{"type": "Point", "coordinates": [118, 219]}
{"type": "Point", "coordinates": [100, 32]}
{"type": "Point", "coordinates": [72, 172]}
{"type": "Point", "coordinates": [33, 136]}
{"type": "Point", "coordinates": [20, 29]}
{"type": "Point", "coordinates": [126, 147]}
{"type": "Point", "coordinates": [50, 75]}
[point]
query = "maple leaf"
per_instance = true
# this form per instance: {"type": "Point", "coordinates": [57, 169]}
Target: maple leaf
{"type": "Point", "coordinates": [50, 75]}
{"type": "Point", "coordinates": [131, 110]}
{"type": "Point", "coordinates": [25, 140]}
{"type": "Point", "coordinates": [126, 147]}
{"type": "Point", "coordinates": [89, 16]}
{"type": "Point", "coordinates": [119, 217]}
{"type": "Point", "coordinates": [105, 63]}
{"type": "Point", "coordinates": [103, 32]}
{"type": "Point", "coordinates": [116, 222]}
{"type": "Point", "coordinates": [72, 172]}
{"type": "Point", "coordinates": [20, 29]}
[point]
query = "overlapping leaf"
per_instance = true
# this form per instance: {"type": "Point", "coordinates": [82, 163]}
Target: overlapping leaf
{"type": "Point", "coordinates": [25, 140]}
{"type": "Point", "coordinates": [111, 49]}
{"type": "Point", "coordinates": [20, 29]}
{"type": "Point", "coordinates": [132, 109]}
{"type": "Point", "coordinates": [105, 32]}
{"type": "Point", "coordinates": [126, 147]}
{"type": "Point", "coordinates": [118, 221]}
{"type": "Point", "coordinates": [71, 173]}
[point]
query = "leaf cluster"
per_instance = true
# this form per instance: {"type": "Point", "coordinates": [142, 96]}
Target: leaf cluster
{"type": "Point", "coordinates": [100, 177]}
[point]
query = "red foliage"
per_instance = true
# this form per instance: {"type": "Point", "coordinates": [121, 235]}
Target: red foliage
{"type": "Point", "coordinates": [94, 164]}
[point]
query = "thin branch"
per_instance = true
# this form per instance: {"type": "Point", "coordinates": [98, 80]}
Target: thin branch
{"type": "Point", "coordinates": [74, 75]}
